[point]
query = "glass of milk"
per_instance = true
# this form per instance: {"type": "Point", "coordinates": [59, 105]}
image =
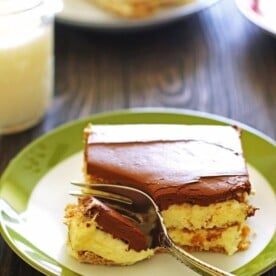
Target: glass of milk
{"type": "Point", "coordinates": [26, 62]}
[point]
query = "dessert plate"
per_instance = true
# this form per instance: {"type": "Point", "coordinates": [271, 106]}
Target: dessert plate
{"type": "Point", "coordinates": [34, 191]}
{"type": "Point", "coordinates": [260, 12]}
{"type": "Point", "coordinates": [84, 14]}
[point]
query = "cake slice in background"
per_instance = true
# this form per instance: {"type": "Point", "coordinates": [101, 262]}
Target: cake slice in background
{"type": "Point", "coordinates": [136, 8]}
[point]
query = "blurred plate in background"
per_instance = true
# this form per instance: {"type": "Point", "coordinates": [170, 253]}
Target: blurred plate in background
{"type": "Point", "coordinates": [84, 14]}
{"type": "Point", "coordinates": [260, 12]}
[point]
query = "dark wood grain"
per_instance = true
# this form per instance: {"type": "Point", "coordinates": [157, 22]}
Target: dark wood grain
{"type": "Point", "coordinates": [215, 61]}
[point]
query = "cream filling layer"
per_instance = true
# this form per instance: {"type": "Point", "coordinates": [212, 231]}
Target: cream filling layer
{"type": "Point", "coordinates": [85, 236]}
{"type": "Point", "coordinates": [218, 215]}
{"type": "Point", "coordinates": [229, 239]}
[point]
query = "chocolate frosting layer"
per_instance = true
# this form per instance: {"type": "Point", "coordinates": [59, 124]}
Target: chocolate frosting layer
{"type": "Point", "coordinates": [110, 221]}
{"type": "Point", "coordinates": [173, 163]}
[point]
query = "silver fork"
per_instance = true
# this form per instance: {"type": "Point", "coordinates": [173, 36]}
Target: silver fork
{"type": "Point", "coordinates": [125, 204]}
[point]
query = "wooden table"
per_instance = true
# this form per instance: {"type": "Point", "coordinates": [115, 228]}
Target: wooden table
{"type": "Point", "coordinates": [214, 61]}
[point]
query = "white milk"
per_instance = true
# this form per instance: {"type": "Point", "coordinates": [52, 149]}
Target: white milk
{"type": "Point", "coordinates": [26, 81]}
{"type": "Point", "coordinates": [26, 68]}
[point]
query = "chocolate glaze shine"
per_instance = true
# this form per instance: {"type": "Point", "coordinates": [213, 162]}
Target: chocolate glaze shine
{"type": "Point", "coordinates": [114, 223]}
{"type": "Point", "coordinates": [179, 169]}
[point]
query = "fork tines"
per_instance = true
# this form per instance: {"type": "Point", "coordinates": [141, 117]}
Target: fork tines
{"type": "Point", "coordinates": [95, 190]}
{"type": "Point", "coordinates": [107, 198]}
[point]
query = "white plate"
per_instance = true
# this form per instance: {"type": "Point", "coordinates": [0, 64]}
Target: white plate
{"type": "Point", "coordinates": [84, 14]}
{"type": "Point", "coordinates": [264, 15]}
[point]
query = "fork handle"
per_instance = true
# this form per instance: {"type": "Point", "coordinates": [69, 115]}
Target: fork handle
{"type": "Point", "coordinates": [192, 262]}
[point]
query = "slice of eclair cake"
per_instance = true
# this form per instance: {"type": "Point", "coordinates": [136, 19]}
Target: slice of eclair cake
{"type": "Point", "coordinates": [196, 174]}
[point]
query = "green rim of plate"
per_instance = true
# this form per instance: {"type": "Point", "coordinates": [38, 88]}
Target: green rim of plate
{"type": "Point", "coordinates": [47, 151]}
